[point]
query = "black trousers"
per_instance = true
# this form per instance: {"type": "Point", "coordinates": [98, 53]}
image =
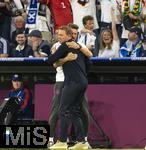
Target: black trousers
{"type": "Point", "coordinates": [54, 115]}
{"type": "Point", "coordinates": [70, 110]}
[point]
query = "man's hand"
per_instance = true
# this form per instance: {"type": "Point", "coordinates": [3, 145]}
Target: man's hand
{"type": "Point", "coordinates": [35, 45]}
{"type": "Point", "coordinates": [53, 50]}
{"type": "Point", "coordinates": [71, 56]}
{"type": "Point", "coordinates": [87, 31]}
{"type": "Point", "coordinates": [73, 45]}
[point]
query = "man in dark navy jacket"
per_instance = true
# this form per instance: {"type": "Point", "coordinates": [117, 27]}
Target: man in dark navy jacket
{"type": "Point", "coordinates": [75, 85]}
{"type": "Point", "coordinates": [24, 95]}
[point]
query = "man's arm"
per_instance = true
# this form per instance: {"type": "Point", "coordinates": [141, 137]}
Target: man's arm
{"type": "Point", "coordinates": [70, 57]}
{"type": "Point", "coordinates": [39, 52]}
{"type": "Point", "coordinates": [82, 48]}
{"type": "Point", "coordinates": [86, 52]}
{"type": "Point", "coordinates": [114, 29]}
{"type": "Point", "coordinates": [60, 53]}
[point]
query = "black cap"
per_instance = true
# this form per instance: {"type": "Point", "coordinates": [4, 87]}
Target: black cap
{"type": "Point", "coordinates": [16, 77]}
{"type": "Point", "coordinates": [137, 30]}
{"type": "Point", "coordinates": [35, 33]}
{"type": "Point", "coordinates": [20, 31]}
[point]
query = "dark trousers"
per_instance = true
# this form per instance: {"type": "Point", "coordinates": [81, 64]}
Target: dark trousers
{"type": "Point", "coordinates": [55, 107]}
{"type": "Point", "coordinates": [70, 110]}
{"type": "Point", "coordinates": [55, 110]}
{"type": "Point", "coordinates": [85, 117]}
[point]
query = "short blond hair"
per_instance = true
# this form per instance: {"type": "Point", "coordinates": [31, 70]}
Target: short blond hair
{"type": "Point", "coordinates": [66, 29]}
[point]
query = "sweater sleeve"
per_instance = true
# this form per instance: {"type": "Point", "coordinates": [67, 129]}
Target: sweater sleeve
{"type": "Point", "coordinates": [26, 98]}
{"type": "Point", "coordinates": [60, 53]}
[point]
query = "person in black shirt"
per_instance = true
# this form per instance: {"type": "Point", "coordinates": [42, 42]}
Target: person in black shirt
{"type": "Point", "coordinates": [75, 85]}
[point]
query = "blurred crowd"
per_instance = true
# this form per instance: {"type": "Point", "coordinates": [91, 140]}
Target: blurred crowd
{"type": "Point", "coordinates": [108, 28]}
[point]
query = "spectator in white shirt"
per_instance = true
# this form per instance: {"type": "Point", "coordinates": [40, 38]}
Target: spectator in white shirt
{"type": "Point", "coordinates": [86, 35]}
{"type": "Point", "coordinates": [106, 17]}
{"type": "Point", "coordinates": [109, 44]}
{"type": "Point", "coordinates": [81, 9]}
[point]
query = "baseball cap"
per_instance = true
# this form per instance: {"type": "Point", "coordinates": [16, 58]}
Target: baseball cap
{"type": "Point", "coordinates": [35, 33]}
{"type": "Point", "coordinates": [137, 30]}
{"type": "Point", "coordinates": [20, 31]}
{"type": "Point", "coordinates": [16, 77]}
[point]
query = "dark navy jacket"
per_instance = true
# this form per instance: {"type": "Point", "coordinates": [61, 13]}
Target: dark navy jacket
{"type": "Point", "coordinates": [73, 70]}
{"type": "Point", "coordinates": [26, 99]}
{"type": "Point", "coordinates": [26, 52]}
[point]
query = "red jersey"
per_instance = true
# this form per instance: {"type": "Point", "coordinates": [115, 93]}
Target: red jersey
{"type": "Point", "coordinates": [60, 10]}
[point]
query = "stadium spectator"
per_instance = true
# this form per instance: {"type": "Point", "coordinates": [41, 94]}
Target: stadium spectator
{"type": "Point", "coordinates": [40, 47]}
{"type": "Point", "coordinates": [60, 10]}
{"type": "Point", "coordinates": [133, 46]}
{"type": "Point", "coordinates": [109, 41]}
{"type": "Point", "coordinates": [86, 35]}
{"type": "Point", "coordinates": [81, 9]}
{"type": "Point", "coordinates": [5, 19]}
{"type": "Point", "coordinates": [143, 17]}
{"type": "Point", "coordinates": [131, 10]}
{"type": "Point", "coordinates": [4, 47]}
{"type": "Point", "coordinates": [22, 49]}
{"type": "Point", "coordinates": [19, 25]}
{"type": "Point", "coordinates": [38, 18]}
{"type": "Point", "coordinates": [16, 9]}
{"type": "Point", "coordinates": [106, 17]}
